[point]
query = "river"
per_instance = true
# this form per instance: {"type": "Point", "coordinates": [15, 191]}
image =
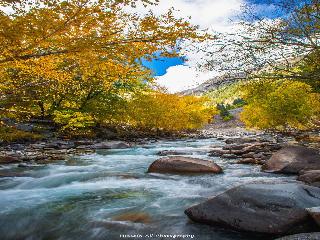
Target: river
{"type": "Point", "coordinates": [81, 197]}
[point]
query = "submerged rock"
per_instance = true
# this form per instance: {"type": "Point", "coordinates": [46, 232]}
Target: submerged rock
{"type": "Point", "coordinates": [136, 217]}
{"type": "Point", "coordinates": [169, 152]}
{"type": "Point", "coordinates": [260, 208]}
{"type": "Point", "coordinates": [110, 145]}
{"type": "Point", "coordinates": [302, 236]}
{"type": "Point", "coordinates": [292, 159]}
{"type": "Point", "coordinates": [184, 165]}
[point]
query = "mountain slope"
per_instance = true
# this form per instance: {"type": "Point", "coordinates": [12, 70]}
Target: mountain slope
{"type": "Point", "coordinates": [214, 83]}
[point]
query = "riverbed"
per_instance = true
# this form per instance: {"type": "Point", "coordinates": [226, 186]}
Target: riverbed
{"type": "Point", "coordinates": [82, 197]}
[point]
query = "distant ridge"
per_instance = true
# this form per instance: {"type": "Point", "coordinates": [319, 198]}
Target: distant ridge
{"type": "Point", "coordinates": [214, 83]}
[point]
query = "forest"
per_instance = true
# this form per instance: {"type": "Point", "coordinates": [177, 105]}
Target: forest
{"type": "Point", "coordinates": [79, 65]}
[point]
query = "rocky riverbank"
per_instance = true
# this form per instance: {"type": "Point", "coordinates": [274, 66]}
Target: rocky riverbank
{"type": "Point", "coordinates": [55, 149]}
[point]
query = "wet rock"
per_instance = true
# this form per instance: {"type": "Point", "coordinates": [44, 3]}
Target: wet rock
{"type": "Point", "coordinates": [183, 165]}
{"type": "Point", "coordinates": [234, 147]}
{"type": "Point", "coordinates": [126, 176]}
{"type": "Point", "coordinates": [240, 140]}
{"type": "Point", "coordinates": [230, 156]}
{"type": "Point", "coordinates": [260, 208]}
{"type": "Point", "coordinates": [218, 152]}
{"type": "Point", "coordinates": [136, 217]}
{"type": "Point", "coordinates": [23, 165]}
{"type": "Point", "coordinates": [302, 236]}
{"type": "Point", "coordinates": [292, 159]}
{"type": "Point", "coordinates": [9, 159]}
{"type": "Point", "coordinates": [58, 144]}
{"type": "Point", "coordinates": [11, 174]}
{"type": "Point", "coordinates": [311, 177]}
{"type": "Point", "coordinates": [256, 148]}
{"type": "Point", "coordinates": [250, 161]}
{"type": "Point", "coordinates": [17, 147]}
{"type": "Point", "coordinates": [169, 152]}
{"type": "Point", "coordinates": [238, 152]}
{"type": "Point", "coordinates": [315, 214]}
{"type": "Point", "coordinates": [248, 155]}
{"type": "Point", "coordinates": [110, 145]}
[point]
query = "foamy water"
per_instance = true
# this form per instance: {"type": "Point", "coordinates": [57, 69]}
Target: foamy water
{"type": "Point", "coordinates": [79, 198]}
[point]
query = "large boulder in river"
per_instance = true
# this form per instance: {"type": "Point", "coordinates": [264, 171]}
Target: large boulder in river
{"type": "Point", "coordinates": [183, 165]}
{"type": "Point", "coordinates": [260, 208]}
{"type": "Point", "coordinates": [292, 159]}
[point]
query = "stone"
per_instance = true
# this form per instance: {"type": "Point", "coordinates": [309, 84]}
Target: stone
{"type": "Point", "coordinates": [135, 217]}
{"type": "Point", "coordinates": [266, 208]}
{"type": "Point", "coordinates": [240, 140]}
{"type": "Point", "coordinates": [234, 147]}
{"type": "Point", "coordinates": [249, 161]}
{"type": "Point", "coordinates": [248, 155]}
{"type": "Point", "coordinates": [311, 177]}
{"type": "Point", "coordinates": [218, 152]}
{"type": "Point", "coordinates": [230, 156]}
{"type": "Point", "coordinates": [302, 236]}
{"type": "Point", "coordinates": [169, 152]}
{"type": "Point", "coordinates": [292, 159]}
{"type": "Point", "coordinates": [315, 214]}
{"type": "Point", "coordinates": [183, 165]}
{"type": "Point", "coordinates": [110, 145]}
{"type": "Point", "coordinates": [9, 159]}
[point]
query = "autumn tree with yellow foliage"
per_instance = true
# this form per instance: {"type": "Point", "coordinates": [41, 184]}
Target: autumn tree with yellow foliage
{"type": "Point", "coordinates": [78, 62]}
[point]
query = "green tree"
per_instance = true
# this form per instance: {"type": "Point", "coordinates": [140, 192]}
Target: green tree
{"type": "Point", "coordinates": [280, 105]}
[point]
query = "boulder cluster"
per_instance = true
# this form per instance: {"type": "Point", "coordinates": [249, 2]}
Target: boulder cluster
{"type": "Point", "coordinates": [268, 208]}
{"type": "Point", "coordinates": [52, 150]}
{"type": "Point", "coordinates": [246, 150]}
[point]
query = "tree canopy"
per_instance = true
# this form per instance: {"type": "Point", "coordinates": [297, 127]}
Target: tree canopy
{"type": "Point", "coordinates": [81, 57]}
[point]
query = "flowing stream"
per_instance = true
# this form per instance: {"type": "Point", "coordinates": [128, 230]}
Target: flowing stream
{"type": "Point", "coordinates": [83, 197]}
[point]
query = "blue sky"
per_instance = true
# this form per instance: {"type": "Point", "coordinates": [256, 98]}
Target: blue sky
{"type": "Point", "coordinates": [160, 66]}
{"type": "Point", "coordinates": [214, 15]}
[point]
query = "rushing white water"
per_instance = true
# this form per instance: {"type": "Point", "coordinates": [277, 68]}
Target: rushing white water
{"type": "Point", "coordinates": [79, 198]}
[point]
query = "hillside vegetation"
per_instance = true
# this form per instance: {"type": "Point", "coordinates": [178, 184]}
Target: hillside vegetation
{"type": "Point", "coordinates": [281, 60]}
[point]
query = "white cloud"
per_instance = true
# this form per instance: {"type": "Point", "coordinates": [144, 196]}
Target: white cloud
{"type": "Point", "coordinates": [183, 77]}
{"type": "Point", "coordinates": [214, 15]}
{"type": "Point", "coordinates": [205, 13]}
